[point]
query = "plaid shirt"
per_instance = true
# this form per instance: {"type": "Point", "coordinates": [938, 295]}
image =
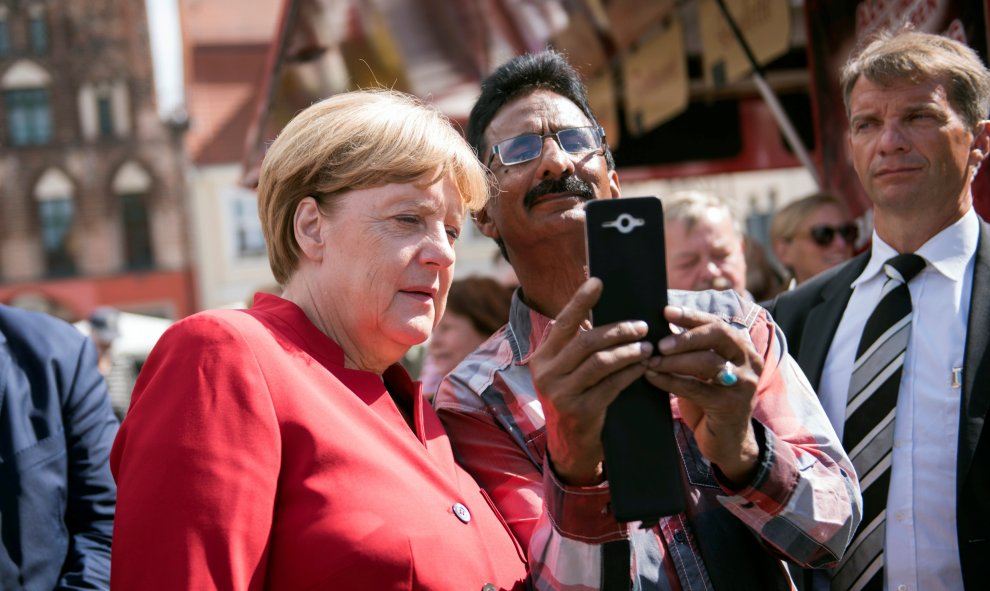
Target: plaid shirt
{"type": "Point", "coordinates": [803, 504]}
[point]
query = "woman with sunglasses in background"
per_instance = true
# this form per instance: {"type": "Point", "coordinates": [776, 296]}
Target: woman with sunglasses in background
{"type": "Point", "coordinates": [811, 235]}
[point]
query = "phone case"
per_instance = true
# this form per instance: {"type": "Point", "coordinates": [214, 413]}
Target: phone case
{"type": "Point", "coordinates": [626, 251]}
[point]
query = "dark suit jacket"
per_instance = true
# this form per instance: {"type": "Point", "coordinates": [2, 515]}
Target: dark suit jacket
{"type": "Point", "coordinates": [809, 316]}
{"type": "Point", "coordinates": [57, 497]}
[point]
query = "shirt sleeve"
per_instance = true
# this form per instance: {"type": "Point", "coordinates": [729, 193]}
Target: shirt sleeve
{"type": "Point", "coordinates": [197, 464]}
{"type": "Point", "coordinates": [562, 528]}
{"type": "Point", "coordinates": [91, 495]}
{"type": "Point", "coordinates": [804, 501]}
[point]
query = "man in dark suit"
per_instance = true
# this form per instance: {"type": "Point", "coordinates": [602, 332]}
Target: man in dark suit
{"type": "Point", "coordinates": [57, 497]}
{"type": "Point", "coordinates": [917, 106]}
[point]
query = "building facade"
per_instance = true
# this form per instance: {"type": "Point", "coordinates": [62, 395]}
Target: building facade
{"type": "Point", "coordinates": [226, 48]}
{"type": "Point", "coordinates": [92, 196]}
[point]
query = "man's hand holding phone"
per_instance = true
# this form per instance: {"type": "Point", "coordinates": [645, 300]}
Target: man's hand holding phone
{"type": "Point", "coordinates": [719, 415]}
{"type": "Point", "coordinates": [578, 371]}
{"type": "Point", "coordinates": [604, 388]}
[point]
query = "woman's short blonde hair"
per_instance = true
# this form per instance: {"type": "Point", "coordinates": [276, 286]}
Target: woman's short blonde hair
{"type": "Point", "coordinates": [788, 219]}
{"type": "Point", "coordinates": [358, 140]}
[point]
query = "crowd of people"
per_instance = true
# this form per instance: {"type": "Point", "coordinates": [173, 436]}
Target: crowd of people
{"type": "Point", "coordinates": [828, 437]}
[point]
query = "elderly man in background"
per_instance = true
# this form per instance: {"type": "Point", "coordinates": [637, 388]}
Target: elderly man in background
{"type": "Point", "coordinates": [705, 245]}
{"type": "Point", "coordinates": [764, 475]}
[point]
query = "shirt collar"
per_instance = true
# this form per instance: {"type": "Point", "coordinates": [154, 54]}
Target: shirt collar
{"type": "Point", "coordinates": [948, 252]}
{"type": "Point", "coordinates": [528, 327]}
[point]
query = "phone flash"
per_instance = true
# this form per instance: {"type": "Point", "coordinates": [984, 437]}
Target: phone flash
{"type": "Point", "coordinates": [625, 223]}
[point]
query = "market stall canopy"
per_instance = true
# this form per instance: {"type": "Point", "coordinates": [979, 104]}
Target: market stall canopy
{"type": "Point", "coordinates": [634, 54]}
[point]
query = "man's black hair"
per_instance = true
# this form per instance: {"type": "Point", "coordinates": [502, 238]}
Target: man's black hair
{"type": "Point", "coordinates": [521, 75]}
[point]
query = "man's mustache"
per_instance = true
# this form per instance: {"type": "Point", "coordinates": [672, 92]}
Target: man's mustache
{"type": "Point", "coordinates": [719, 283]}
{"type": "Point", "coordinates": [567, 184]}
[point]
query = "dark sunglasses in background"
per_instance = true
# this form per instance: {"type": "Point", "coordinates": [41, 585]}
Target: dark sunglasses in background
{"type": "Point", "coordinates": [523, 148]}
{"type": "Point", "coordinates": [823, 235]}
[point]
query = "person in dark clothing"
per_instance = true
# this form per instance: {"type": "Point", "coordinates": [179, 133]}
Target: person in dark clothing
{"type": "Point", "coordinates": [57, 497]}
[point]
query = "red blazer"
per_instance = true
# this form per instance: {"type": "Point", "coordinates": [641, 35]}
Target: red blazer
{"type": "Point", "coordinates": [252, 459]}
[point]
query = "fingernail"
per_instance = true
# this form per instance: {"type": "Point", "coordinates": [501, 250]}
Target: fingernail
{"type": "Point", "coordinates": [640, 326]}
{"type": "Point", "coordinates": [666, 344]}
{"type": "Point", "coordinates": [645, 348]}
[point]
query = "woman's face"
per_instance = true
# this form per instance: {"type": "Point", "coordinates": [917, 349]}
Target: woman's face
{"type": "Point", "coordinates": [387, 264]}
{"type": "Point", "coordinates": [454, 339]}
{"type": "Point", "coordinates": [806, 256]}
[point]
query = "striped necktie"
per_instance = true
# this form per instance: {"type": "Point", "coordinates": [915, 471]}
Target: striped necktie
{"type": "Point", "coordinates": [869, 427]}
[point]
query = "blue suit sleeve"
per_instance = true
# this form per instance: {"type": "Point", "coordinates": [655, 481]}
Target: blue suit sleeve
{"type": "Point", "coordinates": [90, 428]}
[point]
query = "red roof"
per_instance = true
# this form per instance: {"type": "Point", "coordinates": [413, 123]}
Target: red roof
{"type": "Point", "coordinates": [227, 43]}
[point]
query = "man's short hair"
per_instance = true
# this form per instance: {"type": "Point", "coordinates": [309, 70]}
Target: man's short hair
{"type": "Point", "coordinates": [688, 207]}
{"type": "Point", "coordinates": [545, 70]}
{"type": "Point", "coordinates": [913, 56]}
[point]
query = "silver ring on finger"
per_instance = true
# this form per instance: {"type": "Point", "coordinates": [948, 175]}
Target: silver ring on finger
{"type": "Point", "coordinates": [726, 375]}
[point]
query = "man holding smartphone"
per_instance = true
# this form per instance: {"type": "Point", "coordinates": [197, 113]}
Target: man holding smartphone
{"type": "Point", "coordinates": [764, 475]}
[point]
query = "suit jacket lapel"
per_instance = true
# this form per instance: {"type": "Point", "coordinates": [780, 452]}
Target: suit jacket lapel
{"type": "Point", "coordinates": [823, 319]}
{"type": "Point", "coordinates": [976, 372]}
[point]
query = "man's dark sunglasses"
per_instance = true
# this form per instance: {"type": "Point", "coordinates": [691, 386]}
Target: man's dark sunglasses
{"type": "Point", "coordinates": [523, 148]}
{"type": "Point", "coordinates": [823, 235]}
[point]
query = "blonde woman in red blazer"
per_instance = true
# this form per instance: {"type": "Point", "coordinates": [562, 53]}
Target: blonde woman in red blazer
{"type": "Point", "coordinates": [283, 447]}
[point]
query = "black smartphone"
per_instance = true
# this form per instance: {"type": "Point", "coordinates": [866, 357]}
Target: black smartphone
{"type": "Point", "coordinates": [625, 243]}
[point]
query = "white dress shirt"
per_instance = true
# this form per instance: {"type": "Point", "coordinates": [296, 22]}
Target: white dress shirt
{"type": "Point", "coordinates": [922, 547]}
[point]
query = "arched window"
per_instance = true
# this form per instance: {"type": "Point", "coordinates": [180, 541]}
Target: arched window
{"type": "Point", "coordinates": [27, 104]}
{"type": "Point", "coordinates": [131, 184]}
{"type": "Point", "coordinates": [56, 211]}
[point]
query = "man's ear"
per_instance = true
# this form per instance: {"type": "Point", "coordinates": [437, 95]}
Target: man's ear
{"type": "Point", "coordinates": [613, 184]}
{"type": "Point", "coordinates": [307, 225]}
{"type": "Point", "coordinates": [485, 223]}
{"type": "Point", "coordinates": [981, 143]}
